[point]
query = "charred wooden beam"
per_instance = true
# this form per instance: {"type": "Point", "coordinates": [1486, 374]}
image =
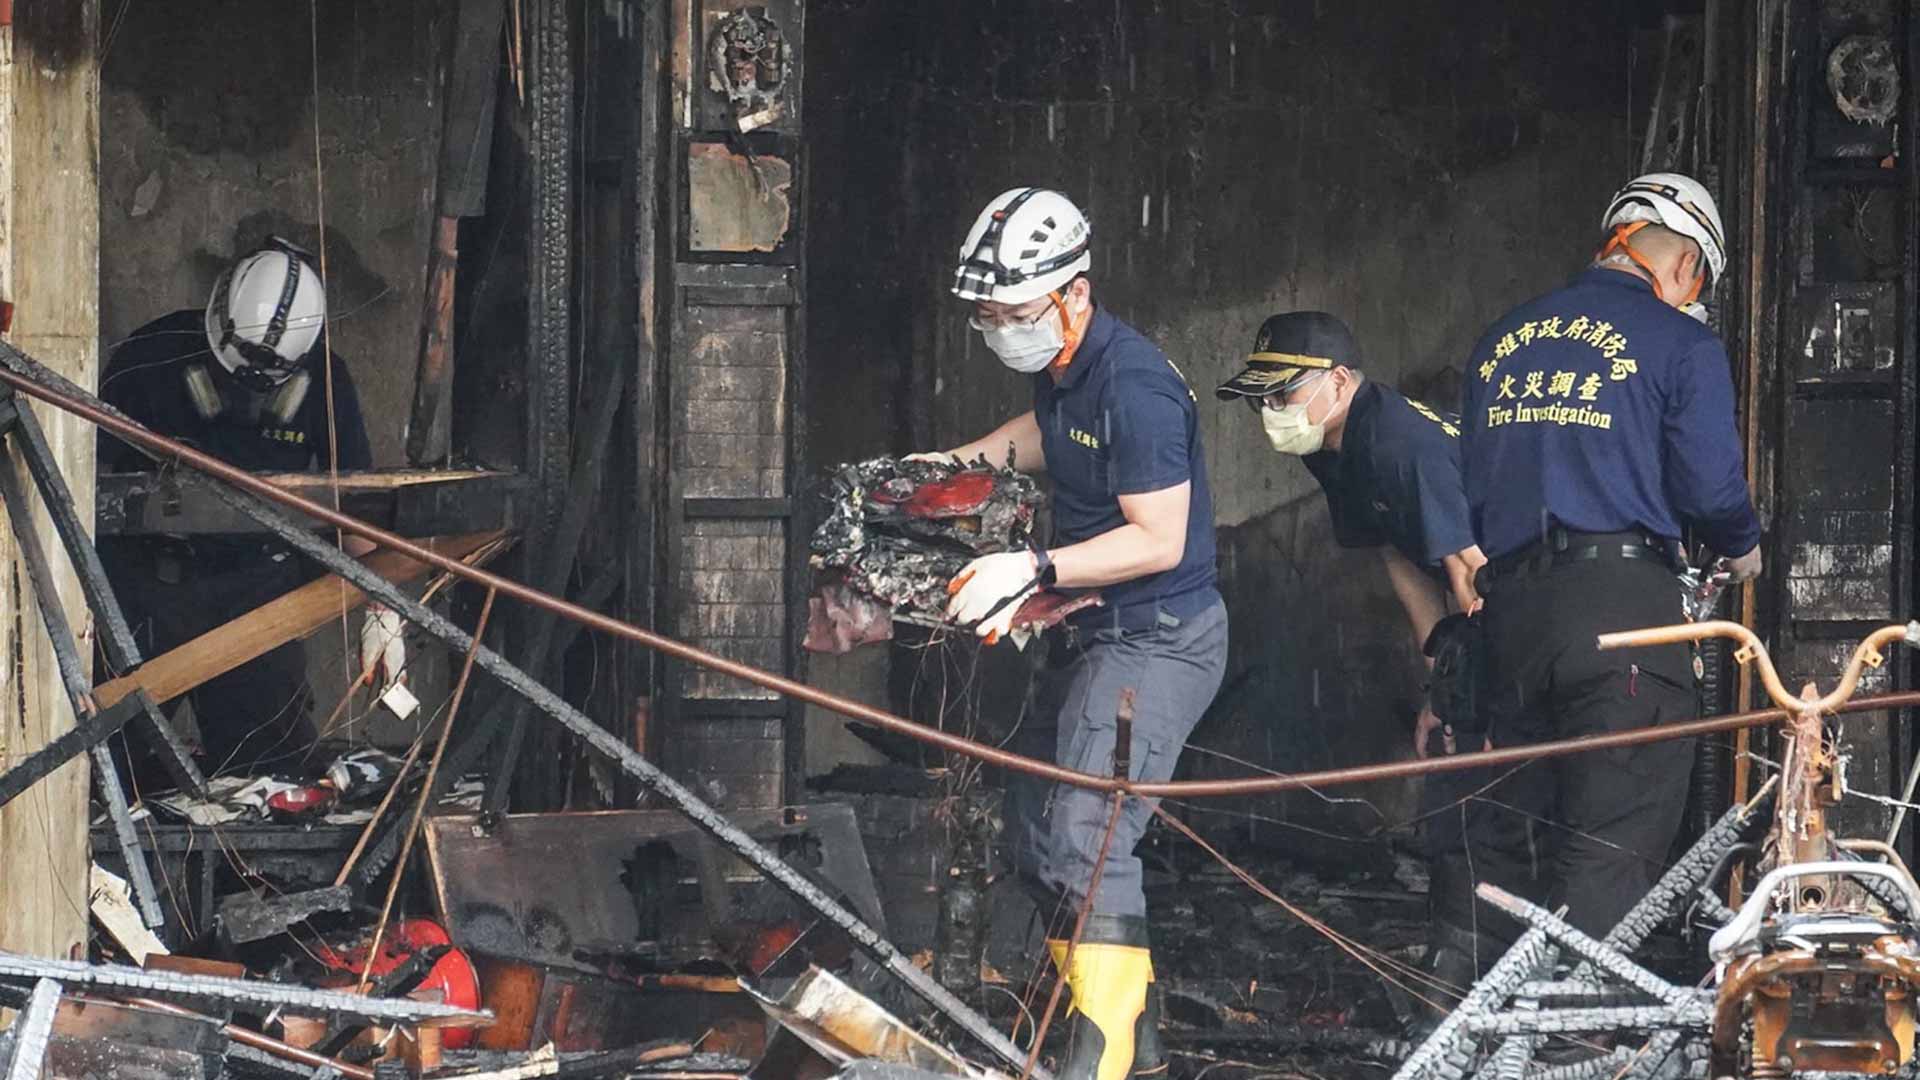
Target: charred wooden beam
{"type": "Point", "coordinates": [410, 502]}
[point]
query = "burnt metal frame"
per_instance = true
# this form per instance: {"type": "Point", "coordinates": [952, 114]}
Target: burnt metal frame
{"type": "Point", "coordinates": [27, 442]}
{"type": "Point", "coordinates": [84, 735]}
{"type": "Point", "coordinates": [120, 980]}
{"type": "Point", "coordinates": [116, 640]}
{"type": "Point", "coordinates": [1907, 304]}
{"type": "Point", "coordinates": [550, 335]}
{"type": "Point", "coordinates": [674, 277]}
{"type": "Point", "coordinates": [636, 765]}
{"type": "Point", "coordinates": [1793, 172]}
{"type": "Point", "coordinates": [21, 1058]}
{"type": "Point", "coordinates": [644, 563]}
{"type": "Point", "coordinates": [132, 504]}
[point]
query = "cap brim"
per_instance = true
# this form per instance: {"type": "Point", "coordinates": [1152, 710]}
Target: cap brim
{"type": "Point", "coordinates": [1257, 382]}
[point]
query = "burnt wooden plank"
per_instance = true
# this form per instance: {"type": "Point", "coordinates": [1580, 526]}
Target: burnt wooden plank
{"type": "Point", "coordinates": [412, 503]}
{"type": "Point", "coordinates": [734, 483]}
{"type": "Point", "coordinates": [1840, 581]}
{"type": "Point", "coordinates": [741, 295]}
{"type": "Point", "coordinates": [756, 509]}
{"type": "Point", "coordinates": [708, 450]}
{"type": "Point", "coordinates": [750, 333]}
{"type": "Point", "coordinates": [1843, 454]}
{"type": "Point", "coordinates": [757, 383]}
{"type": "Point", "coordinates": [495, 887]}
{"type": "Point", "coordinates": [714, 720]}
{"type": "Point", "coordinates": [732, 586]}
{"type": "Point", "coordinates": [737, 620]}
{"type": "Point", "coordinates": [727, 755]}
{"type": "Point", "coordinates": [733, 275]}
{"type": "Point", "coordinates": [719, 417]}
{"type": "Point", "coordinates": [734, 790]}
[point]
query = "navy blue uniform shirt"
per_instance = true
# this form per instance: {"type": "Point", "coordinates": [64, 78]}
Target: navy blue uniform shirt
{"type": "Point", "coordinates": [1122, 421]}
{"type": "Point", "coordinates": [1601, 409]}
{"type": "Point", "coordinates": [1396, 478]}
{"type": "Point", "coordinates": [145, 378]}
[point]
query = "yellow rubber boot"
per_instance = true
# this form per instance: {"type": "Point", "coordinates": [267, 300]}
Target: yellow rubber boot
{"type": "Point", "coordinates": [1149, 1049]}
{"type": "Point", "coordinates": [1108, 981]}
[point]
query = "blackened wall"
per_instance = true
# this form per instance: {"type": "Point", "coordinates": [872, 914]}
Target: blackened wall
{"type": "Point", "coordinates": [1414, 168]}
{"type": "Point", "coordinates": [208, 144]}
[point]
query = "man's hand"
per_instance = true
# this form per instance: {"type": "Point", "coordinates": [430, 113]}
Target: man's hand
{"type": "Point", "coordinates": [1746, 567]}
{"type": "Point", "coordinates": [937, 457]}
{"type": "Point", "coordinates": [1423, 731]}
{"type": "Point", "coordinates": [989, 591]}
{"type": "Point", "coordinates": [383, 645]}
{"type": "Point", "coordinates": [1461, 567]}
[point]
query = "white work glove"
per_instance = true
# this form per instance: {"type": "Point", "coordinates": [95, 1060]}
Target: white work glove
{"type": "Point", "coordinates": [1744, 568]}
{"type": "Point", "coordinates": [937, 457]}
{"type": "Point", "coordinates": [986, 581]}
{"type": "Point", "coordinates": [383, 645]}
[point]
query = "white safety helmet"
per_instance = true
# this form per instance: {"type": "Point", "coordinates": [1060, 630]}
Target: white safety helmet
{"type": "Point", "coordinates": [266, 313]}
{"type": "Point", "coordinates": [1678, 202]}
{"type": "Point", "coordinates": [1028, 242]}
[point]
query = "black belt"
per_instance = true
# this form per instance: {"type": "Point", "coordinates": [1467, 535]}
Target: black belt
{"type": "Point", "coordinates": [1144, 614]}
{"type": "Point", "coordinates": [1564, 548]}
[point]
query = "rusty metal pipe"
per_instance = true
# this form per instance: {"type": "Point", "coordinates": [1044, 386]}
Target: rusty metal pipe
{"type": "Point", "coordinates": [167, 449]}
{"type": "Point", "coordinates": [1866, 654]}
{"type": "Point", "coordinates": [1511, 755]}
{"type": "Point", "coordinates": [170, 450]}
{"type": "Point", "coordinates": [262, 1042]}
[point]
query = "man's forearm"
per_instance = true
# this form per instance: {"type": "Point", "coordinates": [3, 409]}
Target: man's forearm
{"type": "Point", "coordinates": [1420, 596]}
{"type": "Point", "coordinates": [1122, 554]}
{"type": "Point", "coordinates": [1021, 435]}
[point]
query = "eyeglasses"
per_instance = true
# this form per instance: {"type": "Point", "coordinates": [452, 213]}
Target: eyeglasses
{"type": "Point", "coordinates": [997, 322]}
{"type": "Point", "coordinates": [1277, 399]}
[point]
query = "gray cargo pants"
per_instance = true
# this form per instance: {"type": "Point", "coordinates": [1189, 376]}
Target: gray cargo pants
{"type": "Point", "coordinates": [1055, 829]}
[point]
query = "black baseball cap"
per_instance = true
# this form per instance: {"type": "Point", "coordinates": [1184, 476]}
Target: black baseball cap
{"type": "Point", "coordinates": [1290, 346]}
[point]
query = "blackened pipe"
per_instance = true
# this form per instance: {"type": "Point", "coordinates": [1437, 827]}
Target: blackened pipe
{"type": "Point", "coordinates": [83, 405]}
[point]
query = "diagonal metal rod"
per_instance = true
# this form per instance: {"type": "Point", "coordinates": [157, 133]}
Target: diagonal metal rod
{"type": "Point", "coordinates": [66, 654]}
{"type": "Point", "coordinates": [84, 735]}
{"type": "Point", "coordinates": [31, 1031]}
{"type": "Point", "coordinates": [116, 637]}
{"type": "Point", "coordinates": [1441, 1048]}
{"type": "Point", "coordinates": [1694, 1015]}
{"type": "Point", "coordinates": [1586, 946]}
{"type": "Point", "coordinates": [231, 486]}
{"type": "Point", "coordinates": [30, 377]}
{"type": "Point", "coordinates": [120, 980]}
{"type": "Point", "coordinates": [1073, 940]}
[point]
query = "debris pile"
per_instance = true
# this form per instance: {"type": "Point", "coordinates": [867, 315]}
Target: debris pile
{"type": "Point", "coordinates": [897, 531]}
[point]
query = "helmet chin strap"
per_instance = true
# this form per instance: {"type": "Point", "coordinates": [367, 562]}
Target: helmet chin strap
{"type": "Point", "coordinates": [1618, 244]}
{"type": "Point", "coordinates": [1071, 331]}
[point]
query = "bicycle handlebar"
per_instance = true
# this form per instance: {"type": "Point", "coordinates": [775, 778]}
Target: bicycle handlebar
{"type": "Point", "coordinates": [1867, 655]}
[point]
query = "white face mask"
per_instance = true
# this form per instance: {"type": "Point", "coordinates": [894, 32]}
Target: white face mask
{"type": "Point", "coordinates": [1288, 428]}
{"type": "Point", "coordinates": [1025, 347]}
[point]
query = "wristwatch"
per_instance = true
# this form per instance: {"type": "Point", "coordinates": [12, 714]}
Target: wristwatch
{"type": "Point", "coordinates": [1043, 562]}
